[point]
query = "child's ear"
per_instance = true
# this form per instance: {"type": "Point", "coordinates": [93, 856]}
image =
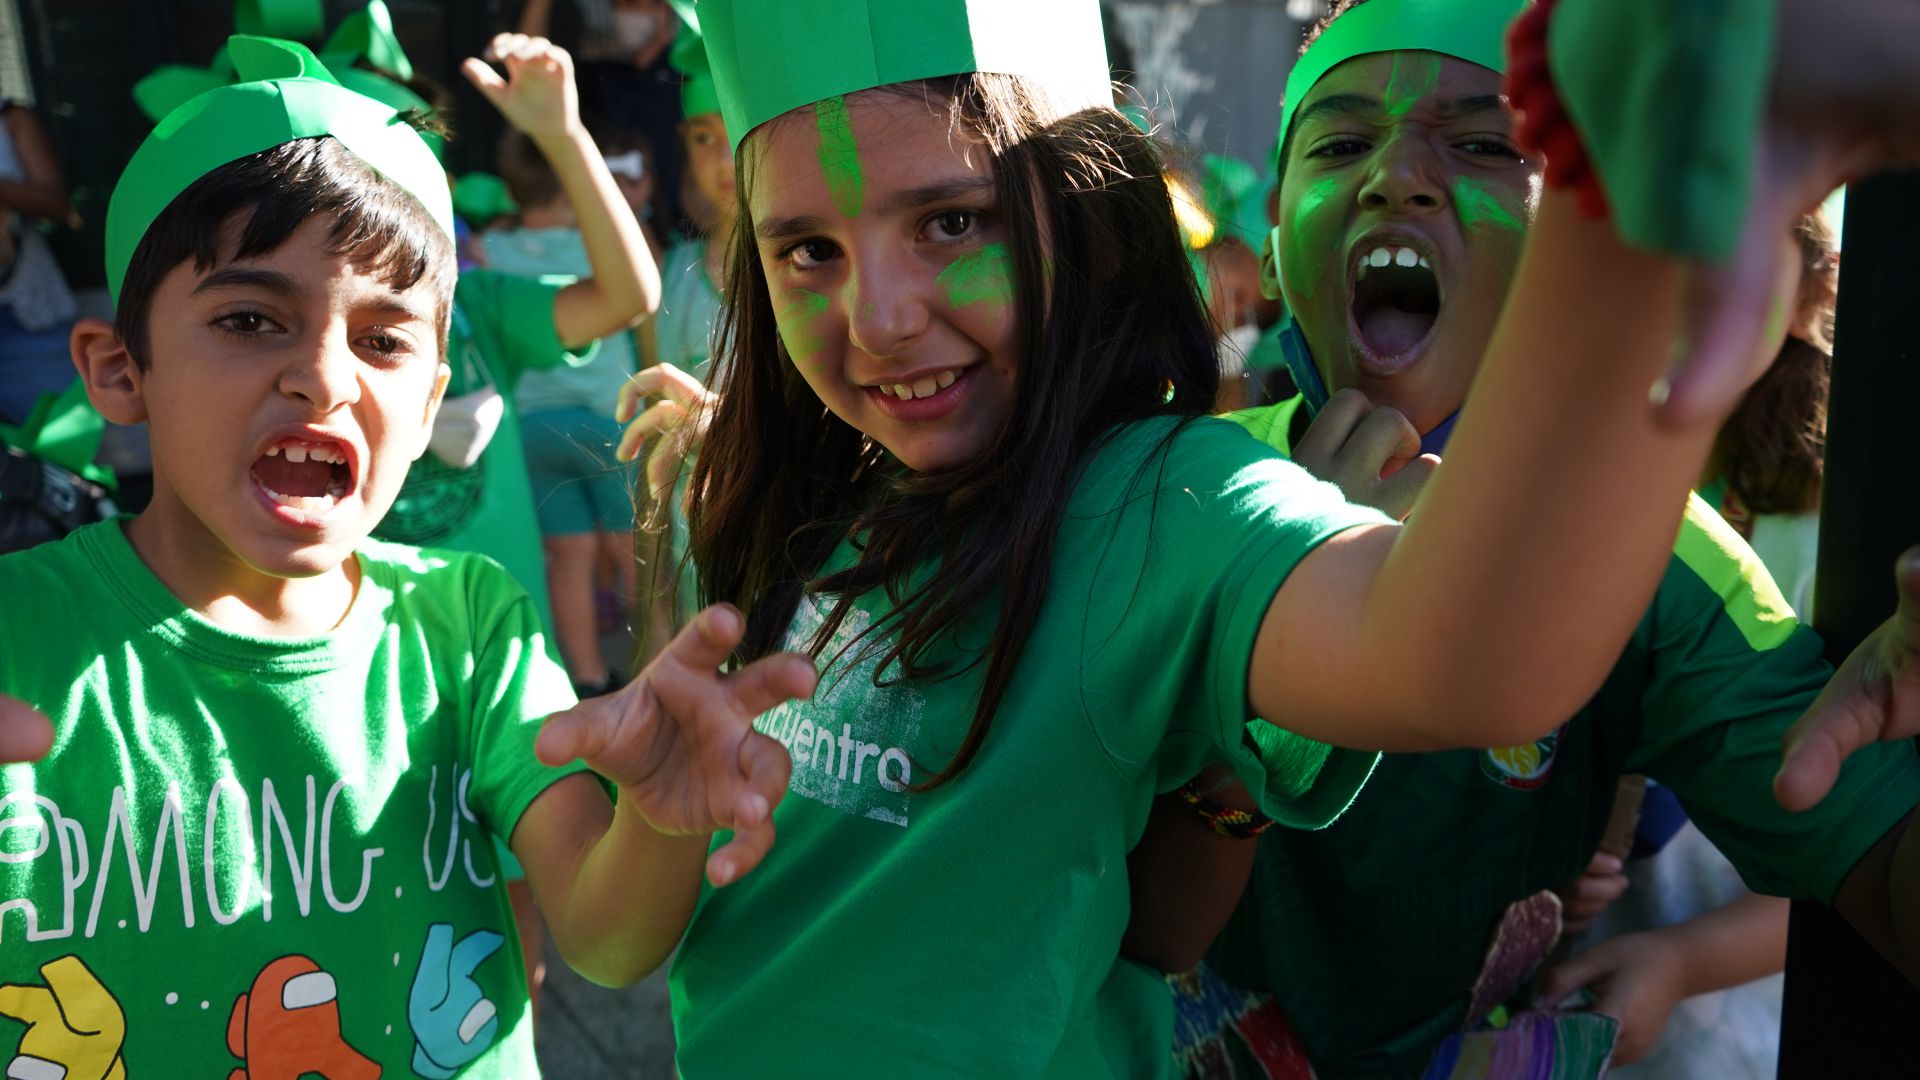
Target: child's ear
{"type": "Point", "coordinates": [107, 368]}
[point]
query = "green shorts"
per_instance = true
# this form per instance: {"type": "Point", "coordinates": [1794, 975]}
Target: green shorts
{"type": "Point", "coordinates": [577, 485]}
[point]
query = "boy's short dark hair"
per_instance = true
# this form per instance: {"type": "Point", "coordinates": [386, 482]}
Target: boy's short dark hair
{"type": "Point", "coordinates": [529, 177]}
{"type": "Point", "coordinates": [376, 223]}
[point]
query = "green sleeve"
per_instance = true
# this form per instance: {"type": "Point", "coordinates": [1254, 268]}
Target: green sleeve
{"type": "Point", "coordinates": [516, 685]}
{"type": "Point", "coordinates": [512, 322]}
{"type": "Point", "coordinates": [1216, 525]}
{"type": "Point", "coordinates": [1271, 424]}
{"type": "Point", "coordinates": [1732, 669]}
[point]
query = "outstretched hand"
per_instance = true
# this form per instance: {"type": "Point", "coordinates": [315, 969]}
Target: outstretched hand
{"type": "Point", "coordinates": [538, 95]}
{"type": "Point", "coordinates": [25, 734]}
{"type": "Point", "coordinates": [1873, 697]}
{"type": "Point", "coordinates": [680, 744]}
{"type": "Point", "coordinates": [1372, 453]}
{"type": "Point", "coordinates": [679, 419]}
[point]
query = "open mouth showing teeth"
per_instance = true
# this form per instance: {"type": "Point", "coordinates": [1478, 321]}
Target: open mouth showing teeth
{"type": "Point", "coordinates": [920, 388]}
{"type": "Point", "coordinates": [1396, 299]}
{"type": "Point", "coordinates": [306, 476]}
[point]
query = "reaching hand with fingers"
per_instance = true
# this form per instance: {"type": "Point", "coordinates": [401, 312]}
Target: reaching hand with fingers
{"type": "Point", "coordinates": [538, 95]}
{"type": "Point", "coordinates": [679, 740]}
{"type": "Point", "coordinates": [679, 420]}
{"type": "Point", "coordinates": [1372, 453]}
{"type": "Point", "coordinates": [1873, 697]}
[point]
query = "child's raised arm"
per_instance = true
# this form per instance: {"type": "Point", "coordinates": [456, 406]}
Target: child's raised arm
{"type": "Point", "coordinates": [618, 883]}
{"type": "Point", "coordinates": [539, 98]}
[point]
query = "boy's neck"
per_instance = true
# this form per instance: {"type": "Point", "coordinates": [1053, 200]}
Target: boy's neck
{"type": "Point", "coordinates": [207, 577]}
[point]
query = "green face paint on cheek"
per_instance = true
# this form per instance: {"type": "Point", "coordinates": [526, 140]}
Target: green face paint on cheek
{"type": "Point", "coordinates": [1482, 206]}
{"type": "Point", "coordinates": [839, 155]}
{"type": "Point", "coordinates": [1309, 243]}
{"type": "Point", "coordinates": [985, 275]}
{"type": "Point", "coordinates": [1412, 78]}
{"type": "Point", "coordinates": [796, 320]}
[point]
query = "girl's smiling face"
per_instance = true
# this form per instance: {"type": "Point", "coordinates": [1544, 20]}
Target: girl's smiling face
{"type": "Point", "coordinates": [888, 267]}
{"type": "Point", "coordinates": [1403, 208]}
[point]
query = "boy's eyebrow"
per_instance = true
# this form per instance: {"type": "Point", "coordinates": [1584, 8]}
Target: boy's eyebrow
{"type": "Point", "coordinates": [240, 277]}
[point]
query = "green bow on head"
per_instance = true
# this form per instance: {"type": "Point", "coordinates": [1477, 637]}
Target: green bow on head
{"type": "Point", "coordinates": [773, 56]}
{"type": "Point", "coordinates": [368, 35]}
{"type": "Point", "coordinates": [479, 197]}
{"type": "Point", "coordinates": [698, 93]}
{"type": "Point", "coordinates": [283, 93]}
{"type": "Point", "coordinates": [170, 86]}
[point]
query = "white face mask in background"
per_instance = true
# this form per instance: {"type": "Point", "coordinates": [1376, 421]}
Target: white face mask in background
{"type": "Point", "coordinates": [633, 29]}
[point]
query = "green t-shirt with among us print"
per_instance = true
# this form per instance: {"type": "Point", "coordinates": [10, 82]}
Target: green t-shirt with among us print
{"type": "Point", "coordinates": [974, 929]}
{"type": "Point", "coordinates": [266, 857]}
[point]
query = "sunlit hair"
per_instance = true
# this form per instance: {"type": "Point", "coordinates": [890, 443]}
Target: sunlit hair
{"type": "Point", "coordinates": [266, 197]}
{"type": "Point", "coordinates": [780, 481]}
{"type": "Point", "coordinates": [1772, 450]}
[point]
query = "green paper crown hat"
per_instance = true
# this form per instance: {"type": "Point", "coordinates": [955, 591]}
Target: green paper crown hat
{"type": "Point", "coordinates": [772, 56]}
{"type": "Point", "coordinates": [1472, 30]}
{"type": "Point", "coordinates": [284, 94]}
{"type": "Point", "coordinates": [698, 94]}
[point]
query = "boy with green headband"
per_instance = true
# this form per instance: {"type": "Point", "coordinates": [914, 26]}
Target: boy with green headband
{"type": "Point", "coordinates": [1438, 869]}
{"type": "Point", "coordinates": [259, 841]}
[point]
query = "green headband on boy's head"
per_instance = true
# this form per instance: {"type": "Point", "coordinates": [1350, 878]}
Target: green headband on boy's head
{"type": "Point", "coordinates": [284, 94]}
{"type": "Point", "coordinates": [772, 56]}
{"type": "Point", "coordinates": [1472, 30]}
{"type": "Point", "coordinates": [290, 19]}
{"type": "Point", "coordinates": [698, 94]}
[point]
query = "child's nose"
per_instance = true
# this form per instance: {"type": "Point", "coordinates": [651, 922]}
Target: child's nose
{"type": "Point", "coordinates": [889, 307]}
{"type": "Point", "coordinates": [327, 375]}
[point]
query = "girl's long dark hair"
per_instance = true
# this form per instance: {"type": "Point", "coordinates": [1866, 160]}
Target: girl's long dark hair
{"type": "Point", "coordinates": [780, 482]}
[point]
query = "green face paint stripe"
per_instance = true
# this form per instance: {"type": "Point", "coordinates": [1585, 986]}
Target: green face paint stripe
{"type": "Point", "coordinates": [1305, 260]}
{"type": "Point", "coordinates": [795, 319]}
{"type": "Point", "coordinates": [839, 155]}
{"type": "Point", "coordinates": [1404, 94]}
{"type": "Point", "coordinates": [977, 276]}
{"type": "Point", "coordinates": [1480, 208]}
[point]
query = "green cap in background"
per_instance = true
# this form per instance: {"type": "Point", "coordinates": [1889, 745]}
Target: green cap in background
{"type": "Point", "coordinates": [479, 197]}
{"type": "Point", "coordinates": [698, 94]}
{"type": "Point", "coordinates": [368, 35]}
{"type": "Point", "coordinates": [772, 56]}
{"type": "Point", "coordinates": [283, 93]}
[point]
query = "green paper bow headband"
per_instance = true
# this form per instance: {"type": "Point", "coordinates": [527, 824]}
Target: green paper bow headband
{"type": "Point", "coordinates": [368, 35]}
{"type": "Point", "coordinates": [698, 94]}
{"type": "Point", "coordinates": [1472, 30]}
{"type": "Point", "coordinates": [772, 56]}
{"type": "Point", "coordinates": [480, 197]}
{"type": "Point", "coordinates": [290, 19]}
{"type": "Point", "coordinates": [284, 94]}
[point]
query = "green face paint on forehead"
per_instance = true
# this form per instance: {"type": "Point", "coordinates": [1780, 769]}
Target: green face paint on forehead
{"type": "Point", "coordinates": [981, 276]}
{"type": "Point", "coordinates": [795, 318]}
{"type": "Point", "coordinates": [1481, 206]}
{"type": "Point", "coordinates": [839, 155]}
{"type": "Point", "coordinates": [1413, 76]}
{"type": "Point", "coordinates": [1305, 260]}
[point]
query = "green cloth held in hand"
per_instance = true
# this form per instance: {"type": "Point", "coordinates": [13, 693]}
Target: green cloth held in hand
{"type": "Point", "coordinates": [1651, 84]}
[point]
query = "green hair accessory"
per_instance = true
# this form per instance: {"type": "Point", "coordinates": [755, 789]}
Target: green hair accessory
{"type": "Point", "coordinates": [368, 35]}
{"type": "Point", "coordinates": [772, 56]}
{"type": "Point", "coordinates": [479, 197]}
{"type": "Point", "coordinates": [698, 93]}
{"type": "Point", "coordinates": [283, 93]}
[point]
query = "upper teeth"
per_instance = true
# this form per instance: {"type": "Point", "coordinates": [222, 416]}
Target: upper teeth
{"type": "Point", "coordinates": [300, 452]}
{"type": "Point", "coordinates": [920, 388]}
{"type": "Point", "coordinates": [1398, 256]}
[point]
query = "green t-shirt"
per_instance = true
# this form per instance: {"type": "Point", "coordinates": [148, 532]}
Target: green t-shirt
{"type": "Point", "coordinates": [502, 327]}
{"type": "Point", "coordinates": [1370, 933]}
{"type": "Point", "coordinates": [974, 929]}
{"type": "Point", "coordinates": [559, 256]}
{"type": "Point", "coordinates": [259, 854]}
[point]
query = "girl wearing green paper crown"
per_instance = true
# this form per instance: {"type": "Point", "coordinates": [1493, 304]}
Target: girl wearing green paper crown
{"type": "Point", "coordinates": [1404, 203]}
{"type": "Point", "coordinates": [961, 471]}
